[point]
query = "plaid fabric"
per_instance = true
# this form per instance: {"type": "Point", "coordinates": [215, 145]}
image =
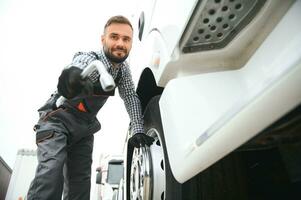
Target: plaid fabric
{"type": "Point", "coordinates": [126, 87]}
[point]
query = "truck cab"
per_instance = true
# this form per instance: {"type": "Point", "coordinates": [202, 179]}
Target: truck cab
{"type": "Point", "coordinates": [108, 177]}
{"type": "Point", "coordinates": [220, 92]}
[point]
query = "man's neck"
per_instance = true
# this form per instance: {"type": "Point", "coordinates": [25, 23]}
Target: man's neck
{"type": "Point", "coordinates": [116, 65]}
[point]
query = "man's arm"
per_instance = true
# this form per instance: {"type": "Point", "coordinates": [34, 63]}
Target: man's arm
{"type": "Point", "coordinates": [131, 100]}
{"type": "Point", "coordinates": [133, 106]}
{"type": "Point", "coordinates": [71, 83]}
{"type": "Point", "coordinates": [80, 60]}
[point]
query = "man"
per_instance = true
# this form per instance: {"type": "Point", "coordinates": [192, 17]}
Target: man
{"type": "Point", "coordinates": [64, 134]}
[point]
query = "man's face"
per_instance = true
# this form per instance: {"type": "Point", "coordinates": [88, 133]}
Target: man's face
{"type": "Point", "coordinates": [117, 42]}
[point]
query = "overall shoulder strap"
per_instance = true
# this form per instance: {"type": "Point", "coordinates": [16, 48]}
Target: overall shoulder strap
{"type": "Point", "coordinates": [118, 77]}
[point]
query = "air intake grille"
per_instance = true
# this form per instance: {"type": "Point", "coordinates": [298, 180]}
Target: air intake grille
{"type": "Point", "coordinates": [217, 22]}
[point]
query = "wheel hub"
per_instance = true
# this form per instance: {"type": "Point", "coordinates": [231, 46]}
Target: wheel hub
{"type": "Point", "coordinates": [147, 180]}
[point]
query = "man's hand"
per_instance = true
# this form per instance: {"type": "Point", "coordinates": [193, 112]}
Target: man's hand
{"type": "Point", "coordinates": [141, 139]}
{"type": "Point", "coordinates": [72, 84]}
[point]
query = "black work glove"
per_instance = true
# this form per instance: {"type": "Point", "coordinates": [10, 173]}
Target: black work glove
{"type": "Point", "coordinates": [71, 83]}
{"type": "Point", "coordinates": [140, 139]}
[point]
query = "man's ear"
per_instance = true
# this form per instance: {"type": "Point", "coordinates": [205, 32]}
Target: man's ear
{"type": "Point", "coordinates": [102, 38]}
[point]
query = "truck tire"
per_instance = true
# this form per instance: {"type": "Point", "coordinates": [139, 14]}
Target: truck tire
{"type": "Point", "coordinates": [151, 176]}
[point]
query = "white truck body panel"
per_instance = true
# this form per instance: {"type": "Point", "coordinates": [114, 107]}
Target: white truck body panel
{"type": "Point", "coordinates": [23, 173]}
{"type": "Point", "coordinates": [163, 41]}
{"type": "Point", "coordinates": [206, 116]}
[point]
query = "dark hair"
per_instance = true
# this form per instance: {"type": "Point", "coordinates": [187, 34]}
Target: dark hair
{"type": "Point", "coordinates": [118, 19]}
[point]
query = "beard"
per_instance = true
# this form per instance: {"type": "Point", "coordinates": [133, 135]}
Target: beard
{"type": "Point", "coordinates": [113, 58]}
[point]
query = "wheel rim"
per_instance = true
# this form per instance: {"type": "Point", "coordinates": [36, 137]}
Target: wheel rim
{"type": "Point", "coordinates": [148, 171]}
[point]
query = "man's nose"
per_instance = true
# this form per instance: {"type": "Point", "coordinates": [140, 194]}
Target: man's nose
{"type": "Point", "coordinates": [120, 43]}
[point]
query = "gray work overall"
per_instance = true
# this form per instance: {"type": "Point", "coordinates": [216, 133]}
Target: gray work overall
{"type": "Point", "coordinates": [65, 143]}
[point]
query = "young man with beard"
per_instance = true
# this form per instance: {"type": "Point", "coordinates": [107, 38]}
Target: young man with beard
{"type": "Point", "coordinates": [64, 134]}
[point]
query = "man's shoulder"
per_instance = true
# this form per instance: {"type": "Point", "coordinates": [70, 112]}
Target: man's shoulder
{"type": "Point", "coordinates": [97, 54]}
{"type": "Point", "coordinates": [126, 67]}
{"type": "Point", "coordinates": [94, 54]}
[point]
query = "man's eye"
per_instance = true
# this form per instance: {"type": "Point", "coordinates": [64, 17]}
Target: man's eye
{"type": "Point", "coordinates": [126, 39]}
{"type": "Point", "coordinates": [114, 37]}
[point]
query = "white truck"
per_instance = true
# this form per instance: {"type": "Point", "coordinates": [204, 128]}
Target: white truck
{"type": "Point", "coordinates": [5, 174]}
{"type": "Point", "coordinates": [23, 173]}
{"type": "Point", "coordinates": [221, 90]}
{"type": "Point", "coordinates": [108, 176]}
